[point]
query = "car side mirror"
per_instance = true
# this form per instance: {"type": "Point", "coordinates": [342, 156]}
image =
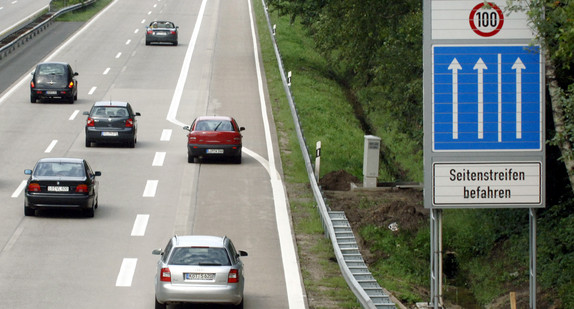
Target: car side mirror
{"type": "Point", "coordinates": [97, 173]}
{"type": "Point", "coordinates": [187, 128]}
{"type": "Point", "coordinates": [138, 114]}
{"type": "Point", "coordinates": [241, 128]}
{"type": "Point", "coordinates": [76, 74]}
{"type": "Point", "coordinates": [86, 113]}
{"type": "Point", "coordinates": [243, 253]}
{"type": "Point", "coordinates": [157, 252]}
{"type": "Point", "coordinates": [28, 172]}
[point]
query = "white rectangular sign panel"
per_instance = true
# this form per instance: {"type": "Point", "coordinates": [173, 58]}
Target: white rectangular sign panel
{"type": "Point", "coordinates": [476, 19]}
{"type": "Point", "coordinates": [487, 184]}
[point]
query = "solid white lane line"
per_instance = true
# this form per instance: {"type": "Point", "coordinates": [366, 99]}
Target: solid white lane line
{"type": "Point", "coordinates": [19, 189]}
{"type": "Point", "coordinates": [127, 271]}
{"type": "Point", "coordinates": [106, 71]}
{"type": "Point", "coordinates": [150, 188]}
{"type": "Point", "coordinates": [51, 146]}
{"type": "Point", "coordinates": [140, 225]}
{"type": "Point", "coordinates": [74, 114]}
{"type": "Point", "coordinates": [293, 280]}
{"type": "Point", "coordinates": [158, 159]}
{"type": "Point", "coordinates": [92, 90]}
{"type": "Point", "coordinates": [165, 135]}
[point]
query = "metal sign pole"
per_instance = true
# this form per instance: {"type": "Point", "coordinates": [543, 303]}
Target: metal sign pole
{"type": "Point", "coordinates": [532, 219]}
{"type": "Point", "coordinates": [436, 259]}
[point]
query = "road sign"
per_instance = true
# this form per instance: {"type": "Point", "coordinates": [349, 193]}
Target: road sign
{"type": "Point", "coordinates": [486, 19]}
{"type": "Point", "coordinates": [494, 184]}
{"type": "Point", "coordinates": [486, 98]}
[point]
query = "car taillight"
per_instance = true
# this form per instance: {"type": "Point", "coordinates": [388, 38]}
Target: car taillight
{"type": "Point", "coordinates": [233, 276]}
{"type": "Point", "coordinates": [129, 123]}
{"type": "Point", "coordinates": [165, 275]}
{"type": "Point", "coordinates": [191, 138]}
{"type": "Point", "coordinates": [32, 84]}
{"type": "Point", "coordinates": [71, 85]}
{"type": "Point", "coordinates": [34, 187]}
{"type": "Point", "coordinates": [149, 32]}
{"type": "Point", "coordinates": [173, 32]}
{"type": "Point", "coordinates": [83, 188]}
{"type": "Point", "coordinates": [90, 122]}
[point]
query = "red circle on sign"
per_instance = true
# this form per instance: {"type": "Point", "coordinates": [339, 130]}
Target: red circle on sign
{"type": "Point", "coordinates": [473, 25]}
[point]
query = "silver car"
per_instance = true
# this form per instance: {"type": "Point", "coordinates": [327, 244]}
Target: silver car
{"type": "Point", "coordinates": [199, 269]}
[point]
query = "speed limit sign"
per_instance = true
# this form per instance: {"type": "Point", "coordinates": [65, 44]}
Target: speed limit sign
{"type": "Point", "coordinates": [486, 19]}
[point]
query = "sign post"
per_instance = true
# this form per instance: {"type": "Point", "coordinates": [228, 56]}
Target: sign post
{"type": "Point", "coordinates": [483, 116]}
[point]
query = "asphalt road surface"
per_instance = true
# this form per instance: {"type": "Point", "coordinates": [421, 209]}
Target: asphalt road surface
{"type": "Point", "coordinates": [60, 259]}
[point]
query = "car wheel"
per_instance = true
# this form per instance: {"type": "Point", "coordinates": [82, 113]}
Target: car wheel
{"type": "Point", "coordinates": [175, 43]}
{"type": "Point", "coordinates": [33, 98]}
{"type": "Point", "coordinates": [29, 212]}
{"type": "Point", "coordinates": [71, 99]}
{"type": "Point", "coordinates": [76, 97]}
{"type": "Point", "coordinates": [237, 160]}
{"type": "Point", "coordinates": [159, 306]}
{"type": "Point", "coordinates": [240, 306]}
{"type": "Point", "coordinates": [90, 212]}
{"type": "Point", "coordinates": [132, 143]}
{"type": "Point", "coordinates": [147, 43]}
{"type": "Point", "coordinates": [190, 159]}
{"type": "Point", "coordinates": [88, 143]}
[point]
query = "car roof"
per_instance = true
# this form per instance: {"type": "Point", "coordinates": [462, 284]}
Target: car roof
{"type": "Point", "coordinates": [60, 160]}
{"type": "Point", "coordinates": [213, 118]}
{"type": "Point", "coordinates": [199, 240]}
{"type": "Point", "coordinates": [111, 103]}
{"type": "Point", "coordinates": [54, 62]}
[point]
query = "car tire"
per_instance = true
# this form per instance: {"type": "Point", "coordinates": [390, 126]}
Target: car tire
{"type": "Point", "coordinates": [237, 160]}
{"type": "Point", "coordinates": [175, 43]}
{"type": "Point", "coordinates": [240, 306]}
{"type": "Point", "coordinates": [90, 212]}
{"type": "Point", "coordinates": [147, 43]}
{"type": "Point", "coordinates": [33, 98]}
{"type": "Point", "coordinates": [29, 212]}
{"type": "Point", "coordinates": [159, 306]}
{"type": "Point", "coordinates": [71, 100]}
{"type": "Point", "coordinates": [88, 143]}
{"type": "Point", "coordinates": [190, 159]}
{"type": "Point", "coordinates": [132, 143]}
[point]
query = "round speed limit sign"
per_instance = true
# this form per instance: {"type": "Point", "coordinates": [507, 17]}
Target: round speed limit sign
{"type": "Point", "coordinates": [486, 19]}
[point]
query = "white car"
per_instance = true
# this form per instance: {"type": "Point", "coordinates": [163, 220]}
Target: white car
{"type": "Point", "coordinates": [199, 269]}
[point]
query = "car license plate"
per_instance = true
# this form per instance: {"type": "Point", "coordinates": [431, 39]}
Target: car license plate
{"type": "Point", "coordinates": [199, 276]}
{"type": "Point", "coordinates": [160, 33]}
{"type": "Point", "coordinates": [58, 189]}
{"type": "Point", "coordinates": [214, 151]}
{"type": "Point", "coordinates": [109, 133]}
{"type": "Point", "coordinates": [52, 92]}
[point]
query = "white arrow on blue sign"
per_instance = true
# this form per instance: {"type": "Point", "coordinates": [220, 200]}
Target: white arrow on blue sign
{"type": "Point", "coordinates": [487, 98]}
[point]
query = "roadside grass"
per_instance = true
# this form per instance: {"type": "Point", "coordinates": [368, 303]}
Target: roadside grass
{"type": "Point", "coordinates": [324, 105]}
{"type": "Point", "coordinates": [79, 15]}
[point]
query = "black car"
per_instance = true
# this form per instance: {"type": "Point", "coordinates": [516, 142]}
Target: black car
{"type": "Point", "coordinates": [61, 183]}
{"type": "Point", "coordinates": [111, 122]}
{"type": "Point", "coordinates": [54, 80]}
{"type": "Point", "coordinates": [161, 32]}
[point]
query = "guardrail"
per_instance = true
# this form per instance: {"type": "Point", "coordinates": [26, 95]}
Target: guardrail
{"type": "Point", "coordinates": [28, 35]}
{"type": "Point", "coordinates": [335, 224]}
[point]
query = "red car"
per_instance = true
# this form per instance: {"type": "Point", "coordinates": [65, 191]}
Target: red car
{"type": "Point", "coordinates": [214, 136]}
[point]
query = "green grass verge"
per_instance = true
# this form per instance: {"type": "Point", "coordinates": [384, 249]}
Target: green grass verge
{"type": "Point", "coordinates": [79, 15]}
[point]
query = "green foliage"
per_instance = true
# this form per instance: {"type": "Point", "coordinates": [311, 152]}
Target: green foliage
{"type": "Point", "coordinates": [403, 260]}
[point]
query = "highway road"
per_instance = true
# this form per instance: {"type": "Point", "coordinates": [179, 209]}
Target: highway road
{"type": "Point", "coordinates": [12, 11]}
{"type": "Point", "coordinates": [60, 259]}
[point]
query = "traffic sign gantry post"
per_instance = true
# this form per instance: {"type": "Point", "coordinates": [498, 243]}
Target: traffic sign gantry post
{"type": "Point", "coordinates": [483, 116]}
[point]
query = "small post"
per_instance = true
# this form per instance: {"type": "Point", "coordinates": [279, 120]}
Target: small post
{"type": "Point", "coordinates": [371, 161]}
{"type": "Point", "coordinates": [512, 300]}
{"type": "Point", "coordinates": [289, 78]}
{"type": "Point", "coordinates": [317, 160]}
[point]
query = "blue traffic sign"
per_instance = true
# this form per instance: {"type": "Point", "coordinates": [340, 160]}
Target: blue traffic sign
{"type": "Point", "coordinates": [487, 98]}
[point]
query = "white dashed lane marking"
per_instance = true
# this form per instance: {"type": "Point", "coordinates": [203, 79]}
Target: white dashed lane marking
{"type": "Point", "coordinates": [150, 188]}
{"type": "Point", "coordinates": [126, 273]}
{"type": "Point", "coordinates": [140, 225]}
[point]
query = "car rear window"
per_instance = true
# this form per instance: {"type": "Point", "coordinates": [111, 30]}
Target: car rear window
{"type": "Point", "coordinates": [110, 111]}
{"type": "Point", "coordinates": [59, 169]}
{"type": "Point", "coordinates": [51, 69]}
{"type": "Point", "coordinates": [214, 125]}
{"type": "Point", "coordinates": [199, 256]}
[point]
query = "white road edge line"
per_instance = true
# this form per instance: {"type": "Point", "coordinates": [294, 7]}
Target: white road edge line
{"type": "Point", "coordinates": [126, 274]}
{"type": "Point", "coordinates": [291, 269]}
{"type": "Point", "coordinates": [140, 225]}
{"type": "Point", "coordinates": [150, 188]}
